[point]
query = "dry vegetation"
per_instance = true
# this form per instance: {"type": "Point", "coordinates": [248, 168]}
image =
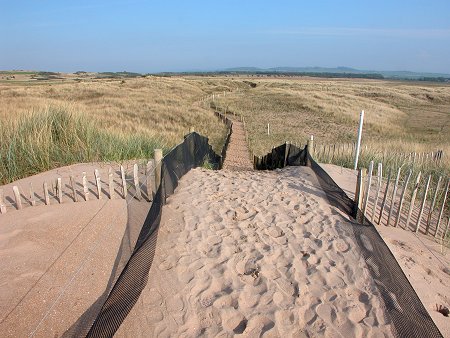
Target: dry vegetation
{"type": "Point", "coordinates": [131, 113]}
{"type": "Point", "coordinates": [399, 116]}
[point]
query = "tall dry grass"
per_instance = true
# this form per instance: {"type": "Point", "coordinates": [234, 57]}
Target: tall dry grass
{"type": "Point", "coordinates": [56, 136]}
{"type": "Point", "coordinates": [47, 124]}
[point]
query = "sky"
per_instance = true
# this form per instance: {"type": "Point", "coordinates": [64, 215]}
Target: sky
{"type": "Point", "coordinates": [154, 36]}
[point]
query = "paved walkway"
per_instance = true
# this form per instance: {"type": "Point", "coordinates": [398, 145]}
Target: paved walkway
{"type": "Point", "coordinates": [238, 154]}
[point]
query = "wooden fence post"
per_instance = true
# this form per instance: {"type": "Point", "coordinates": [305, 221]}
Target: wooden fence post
{"type": "Point", "coordinates": [286, 153]}
{"type": "Point", "coordinates": [394, 193]}
{"type": "Point", "coordinates": [46, 196]}
{"type": "Point", "coordinates": [98, 183]}
{"type": "Point", "coordinates": [74, 189]}
{"type": "Point", "coordinates": [380, 178]}
{"type": "Point", "coordinates": [148, 175]}
{"type": "Point", "coordinates": [110, 183]}
{"type": "Point", "coordinates": [85, 187]}
{"type": "Point", "coordinates": [158, 166]}
{"type": "Point", "coordinates": [136, 181]}
{"type": "Point", "coordinates": [402, 196]}
{"type": "Point", "coordinates": [442, 208]}
{"type": "Point", "coordinates": [386, 191]}
{"type": "Point", "coordinates": [32, 197]}
{"type": "Point", "coordinates": [17, 197]}
{"type": "Point", "coordinates": [59, 188]}
{"type": "Point", "coordinates": [413, 199]}
{"type": "Point", "coordinates": [2, 203]}
{"type": "Point", "coordinates": [367, 193]}
{"type": "Point", "coordinates": [419, 218]}
{"type": "Point", "coordinates": [124, 182]}
{"type": "Point", "coordinates": [444, 235]}
{"type": "Point", "coordinates": [430, 211]}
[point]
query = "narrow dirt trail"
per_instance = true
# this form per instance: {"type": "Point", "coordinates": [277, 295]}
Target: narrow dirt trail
{"type": "Point", "coordinates": [238, 154]}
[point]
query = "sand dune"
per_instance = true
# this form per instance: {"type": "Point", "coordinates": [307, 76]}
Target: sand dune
{"type": "Point", "coordinates": [257, 253]}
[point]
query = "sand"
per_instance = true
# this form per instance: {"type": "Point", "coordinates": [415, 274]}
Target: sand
{"type": "Point", "coordinates": [258, 254]}
{"type": "Point", "coordinates": [56, 261]}
{"type": "Point", "coordinates": [425, 262]}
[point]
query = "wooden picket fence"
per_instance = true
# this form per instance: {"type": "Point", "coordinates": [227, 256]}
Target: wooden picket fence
{"type": "Point", "coordinates": [404, 199]}
{"type": "Point", "coordinates": [345, 152]}
{"type": "Point", "coordinates": [111, 183]}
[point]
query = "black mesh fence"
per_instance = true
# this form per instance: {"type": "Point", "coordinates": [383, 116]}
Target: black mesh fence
{"type": "Point", "coordinates": [407, 313]}
{"type": "Point", "coordinates": [129, 274]}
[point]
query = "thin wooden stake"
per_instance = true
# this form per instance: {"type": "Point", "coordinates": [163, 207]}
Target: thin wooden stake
{"type": "Point", "coordinates": [444, 235]}
{"type": "Point", "coordinates": [367, 193]}
{"type": "Point", "coordinates": [110, 183]}
{"type": "Point", "coordinates": [402, 196]}
{"type": "Point", "coordinates": [46, 196]}
{"type": "Point", "coordinates": [85, 187]}
{"type": "Point", "coordinates": [74, 189]}
{"type": "Point", "coordinates": [17, 197]}
{"type": "Point", "coordinates": [124, 182]}
{"type": "Point", "coordinates": [98, 183]}
{"type": "Point", "coordinates": [2, 202]}
{"type": "Point", "coordinates": [386, 191]}
{"type": "Point", "coordinates": [423, 204]}
{"type": "Point", "coordinates": [136, 181]}
{"type": "Point", "coordinates": [358, 193]}
{"type": "Point", "coordinates": [32, 197]}
{"type": "Point", "coordinates": [380, 178]}
{"type": "Point", "coordinates": [442, 209]}
{"type": "Point", "coordinates": [148, 175]}
{"type": "Point", "coordinates": [158, 166]}
{"type": "Point", "coordinates": [413, 199]}
{"type": "Point", "coordinates": [59, 188]}
{"type": "Point", "coordinates": [430, 211]}
{"type": "Point", "coordinates": [393, 196]}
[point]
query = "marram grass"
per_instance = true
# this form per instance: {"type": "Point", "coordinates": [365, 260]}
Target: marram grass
{"type": "Point", "coordinates": [56, 136]}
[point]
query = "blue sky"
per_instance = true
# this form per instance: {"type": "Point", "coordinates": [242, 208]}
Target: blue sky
{"type": "Point", "coordinates": [152, 36]}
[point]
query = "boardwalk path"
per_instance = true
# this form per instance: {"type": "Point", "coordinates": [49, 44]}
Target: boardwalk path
{"type": "Point", "coordinates": [238, 155]}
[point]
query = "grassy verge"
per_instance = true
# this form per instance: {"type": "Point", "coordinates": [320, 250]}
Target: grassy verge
{"type": "Point", "coordinates": [58, 136]}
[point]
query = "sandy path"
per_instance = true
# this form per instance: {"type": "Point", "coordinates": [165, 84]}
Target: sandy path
{"type": "Point", "coordinates": [238, 155]}
{"type": "Point", "coordinates": [258, 253]}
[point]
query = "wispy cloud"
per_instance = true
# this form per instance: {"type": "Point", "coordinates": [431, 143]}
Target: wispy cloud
{"type": "Point", "coordinates": [357, 31]}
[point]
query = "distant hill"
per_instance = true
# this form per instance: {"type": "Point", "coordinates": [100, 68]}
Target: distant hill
{"type": "Point", "coordinates": [404, 75]}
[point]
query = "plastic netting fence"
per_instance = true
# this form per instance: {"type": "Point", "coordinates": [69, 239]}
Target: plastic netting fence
{"type": "Point", "coordinates": [407, 313]}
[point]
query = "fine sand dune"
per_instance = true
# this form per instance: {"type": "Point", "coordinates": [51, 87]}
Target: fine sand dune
{"type": "Point", "coordinates": [256, 253]}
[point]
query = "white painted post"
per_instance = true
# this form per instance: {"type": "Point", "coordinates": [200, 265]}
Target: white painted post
{"type": "Point", "coordinates": [358, 144]}
{"type": "Point", "coordinates": [59, 188]}
{"type": "Point", "coordinates": [136, 181]}
{"type": "Point", "coordinates": [46, 196]}
{"type": "Point", "coordinates": [2, 203]}
{"type": "Point", "coordinates": [380, 177]}
{"type": "Point", "coordinates": [268, 129]}
{"type": "Point", "coordinates": [32, 197]}
{"type": "Point", "coordinates": [17, 197]}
